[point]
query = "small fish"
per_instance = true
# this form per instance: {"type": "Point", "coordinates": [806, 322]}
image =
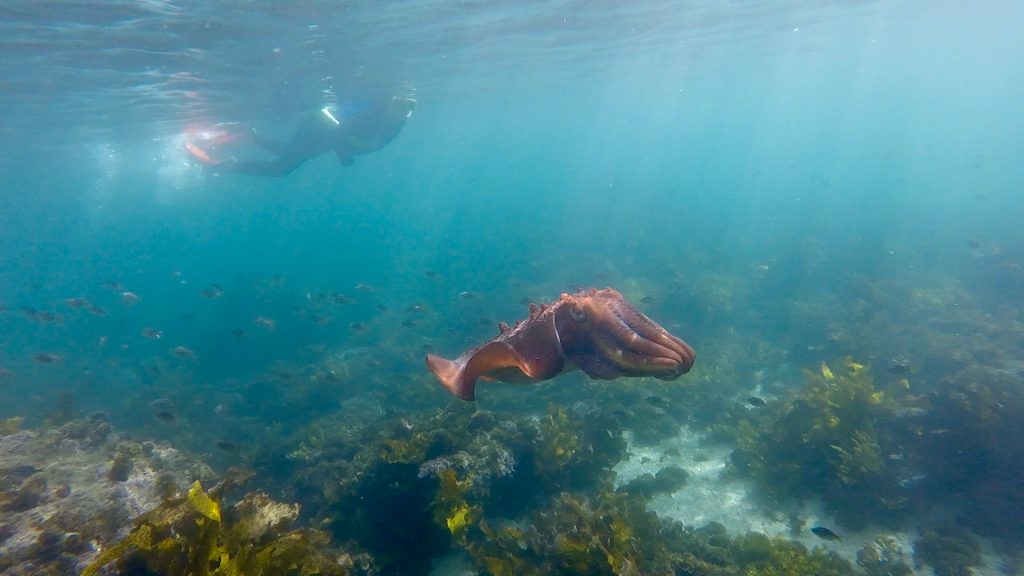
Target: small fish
{"type": "Point", "coordinates": [620, 413]}
{"type": "Point", "coordinates": [911, 480]}
{"type": "Point", "coordinates": [212, 291]}
{"type": "Point", "coordinates": [112, 285]}
{"type": "Point", "coordinates": [526, 301]}
{"type": "Point", "coordinates": [485, 321]}
{"type": "Point", "coordinates": [183, 352]}
{"type": "Point", "coordinates": [467, 294]}
{"type": "Point", "coordinates": [21, 471]}
{"type": "Point", "coordinates": [431, 274]}
{"type": "Point", "coordinates": [340, 299]}
{"type": "Point", "coordinates": [162, 404]}
{"type": "Point", "coordinates": [46, 358]}
{"type": "Point", "coordinates": [409, 323]}
{"type": "Point", "coordinates": [900, 368]}
{"type": "Point", "coordinates": [825, 533]}
{"type": "Point", "coordinates": [364, 287]}
{"type": "Point", "coordinates": [264, 322]}
{"type": "Point", "coordinates": [5, 373]}
{"type": "Point", "coordinates": [130, 298]}
{"type": "Point", "coordinates": [357, 326]}
{"type": "Point", "coordinates": [152, 333]}
{"type": "Point", "coordinates": [227, 445]}
{"type": "Point", "coordinates": [320, 320]}
{"type": "Point", "coordinates": [97, 311]}
{"type": "Point", "coordinates": [238, 333]}
{"type": "Point", "coordinates": [648, 299]}
{"type": "Point", "coordinates": [77, 302]}
{"type": "Point", "coordinates": [657, 401]}
{"type": "Point", "coordinates": [417, 308]}
{"type": "Point", "coordinates": [29, 311]}
{"type": "Point", "coordinates": [381, 308]}
{"type": "Point", "coordinates": [910, 412]}
{"type": "Point", "coordinates": [47, 317]}
{"type": "Point", "coordinates": [756, 402]}
{"type": "Point", "coordinates": [163, 410]}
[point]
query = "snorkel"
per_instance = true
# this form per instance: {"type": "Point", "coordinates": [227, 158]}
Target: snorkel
{"type": "Point", "coordinates": [329, 114]}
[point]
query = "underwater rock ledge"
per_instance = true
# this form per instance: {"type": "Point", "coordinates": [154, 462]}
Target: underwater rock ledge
{"type": "Point", "coordinates": [66, 492]}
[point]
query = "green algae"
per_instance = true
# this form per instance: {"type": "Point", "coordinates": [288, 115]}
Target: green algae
{"type": "Point", "coordinates": [10, 425]}
{"type": "Point", "coordinates": [949, 551]}
{"type": "Point", "coordinates": [830, 443]}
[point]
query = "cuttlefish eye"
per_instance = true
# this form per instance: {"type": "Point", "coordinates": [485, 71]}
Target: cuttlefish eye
{"type": "Point", "coordinates": [577, 314]}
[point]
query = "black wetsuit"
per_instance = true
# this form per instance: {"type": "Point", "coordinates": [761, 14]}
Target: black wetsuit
{"type": "Point", "coordinates": [369, 127]}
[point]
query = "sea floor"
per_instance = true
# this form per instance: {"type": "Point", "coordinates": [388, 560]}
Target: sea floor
{"type": "Point", "coordinates": [708, 496]}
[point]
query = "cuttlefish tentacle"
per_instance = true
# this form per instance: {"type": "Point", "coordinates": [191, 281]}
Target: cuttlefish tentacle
{"type": "Point", "coordinates": [645, 335]}
{"type": "Point", "coordinates": [625, 336]}
{"type": "Point", "coordinates": [639, 348]}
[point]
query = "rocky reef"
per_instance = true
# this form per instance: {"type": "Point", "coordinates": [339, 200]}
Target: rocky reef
{"type": "Point", "coordinates": [193, 535]}
{"type": "Point", "coordinates": [834, 441]}
{"type": "Point", "coordinates": [83, 499]}
{"type": "Point", "coordinates": [514, 495]}
{"type": "Point", "coordinates": [66, 492]}
{"type": "Point", "coordinates": [528, 492]}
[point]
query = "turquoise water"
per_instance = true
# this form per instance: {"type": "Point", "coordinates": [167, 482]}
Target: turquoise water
{"type": "Point", "coordinates": [552, 147]}
{"type": "Point", "coordinates": [773, 177]}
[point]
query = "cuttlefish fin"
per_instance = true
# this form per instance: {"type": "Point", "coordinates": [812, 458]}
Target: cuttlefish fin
{"type": "Point", "coordinates": [459, 376]}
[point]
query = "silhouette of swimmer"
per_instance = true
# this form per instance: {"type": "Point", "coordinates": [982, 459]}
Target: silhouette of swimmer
{"type": "Point", "coordinates": [358, 128]}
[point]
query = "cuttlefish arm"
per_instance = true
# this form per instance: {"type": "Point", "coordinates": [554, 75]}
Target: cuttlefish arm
{"type": "Point", "coordinates": [597, 331]}
{"type": "Point", "coordinates": [607, 337]}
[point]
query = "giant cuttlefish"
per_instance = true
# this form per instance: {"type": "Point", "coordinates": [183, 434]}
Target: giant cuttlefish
{"type": "Point", "coordinates": [596, 331]}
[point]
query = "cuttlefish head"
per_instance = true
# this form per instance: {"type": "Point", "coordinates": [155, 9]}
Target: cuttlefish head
{"type": "Point", "coordinates": [607, 338]}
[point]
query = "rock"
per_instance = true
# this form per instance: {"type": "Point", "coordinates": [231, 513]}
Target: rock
{"type": "Point", "coordinates": [60, 492]}
{"type": "Point", "coordinates": [258, 515]}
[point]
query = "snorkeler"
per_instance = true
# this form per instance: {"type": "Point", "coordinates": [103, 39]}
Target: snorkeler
{"type": "Point", "coordinates": [359, 128]}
